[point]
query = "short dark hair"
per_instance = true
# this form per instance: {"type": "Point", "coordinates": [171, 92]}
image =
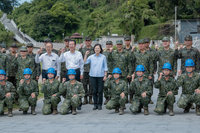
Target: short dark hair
{"type": "Point", "coordinates": [72, 41]}
{"type": "Point", "coordinates": [99, 46]}
{"type": "Point", "coordinates": [49, 43]}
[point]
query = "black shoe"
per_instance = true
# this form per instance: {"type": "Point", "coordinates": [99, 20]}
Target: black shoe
{"type": "Point", "coordinates": [99, 107]}
{"type": "Point", "coordinates": [95, 107]}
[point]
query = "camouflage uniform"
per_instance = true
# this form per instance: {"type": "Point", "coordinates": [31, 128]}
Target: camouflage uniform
{"type": "Point", "coordinates": [3, 61]}
{"type": "Point", "coordinates": [50, 102]}
{"type": "Point", "coordinates": [36, 69]}
{"type": "Point", "coordinates": [164, 100]}
{"type": "Point", "coordinates": [22, 64]}
{"type": "Point", "coordinates": [70, 101]}
{"type": "Point", "coordinates": [25, 90]}
{"type": "Point", "coordinates": [8, 101]}
{"type": "Point", "coordinates": [137, 88]}
{"type": "Point", "coordinates": [145, 60]}
{"type": "Point", "coordinates": [188, 96]}
{"type": "Point", "coordinates": [110, 68]}
{"type": "Point", "coordinates": [63, 68]}
{"type": "Point", "coordinates": [86, 76]}
{"type": "Point", "coordinates": [185, 54]}
{"type": "Point", "coordinates": [12, 68]}
{"type": "Point", "coordinates": [121, 60]}
{"type": "Point", "coordinates": [116, 89]}
{"type": "Point", "coordinates": [167, 56]}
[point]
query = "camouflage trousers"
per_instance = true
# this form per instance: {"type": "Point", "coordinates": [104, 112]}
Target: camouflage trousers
{"type": "Point", "coordinates": [25, 102]}
{"type": "Point", "coordinates": [50, 104]}
{"type": "Point", "coordinates": [6, 102]}
{"type": "Point", "coordinates": [139, 102]}
{"type": "Point", "coordinates": [106, 92]}
{"type": "Point", "coordinates": [163, 103]}
{"type": "Point", "coordinates": [116, 103]}
{"type": "Point", "coordinates": [187, 99]}
{"type": "Point", "coordinates": [69, 103]}
{"type": "Point", "coordinates": [86, 84]}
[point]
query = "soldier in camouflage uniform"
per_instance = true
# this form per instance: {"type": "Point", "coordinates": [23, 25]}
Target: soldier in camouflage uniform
{"type": "Point", "coordinates": [85, 81]}
{"type": "Point", "coordinates": [167, 90]}
{"type": "Point", "coordinates": [63, 67]}
{"type": "Point", "coordinates": [36, 68]}
{"type": "Point", "coordinates": [121, 59]}
{"type": "Point", "coordinates": [118, 90]}
{"type": "Point", "coordinates": [74, 92]}
{"type": "Point", "coordinates": [28, 92]}
{"type": "Point", "coordinates": [190, 83]}
{"type": "Point", "coordinates": [127, 40]}
{"type": "Point", "coordinates": [11, 68]}
{"type": "Point", "coordinates": [189, 52]}
{"type": "Point", "coordinates": [142, 89]}
{"type": "Point", "coordinates": [167, 55]}
{"type": "Point", "coordinates": [50, 88]}
{"type": "Point", "coordinates": [3, 61]}
{"type": "Point", "coordinates": [7, 94]}
{"type": "Point", "coordinates": [106, 52]}
{"type": "Point", "coordinates": [23, 61]}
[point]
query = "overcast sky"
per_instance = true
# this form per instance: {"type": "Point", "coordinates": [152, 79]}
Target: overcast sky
{"type": "Point", "coordinates": [22, 1]}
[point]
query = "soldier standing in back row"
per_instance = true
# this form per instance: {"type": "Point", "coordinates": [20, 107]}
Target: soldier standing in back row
{"type": "Point", "coordinates": [167, 55]}
{"type": "Point", "coordinates": [106, 52]}
{"type": "Point", "coordinates": [12, 64]}
{"type": "Point", "coordinates": [189, 52]}
{"type": "Point", "coordinates": [36, 68]}
{"type": "Point", "coordinates": [85, 80]}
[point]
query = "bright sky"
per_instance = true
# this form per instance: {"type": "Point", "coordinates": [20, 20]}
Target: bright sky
{"type": "Point", "coordinates": [22, 1]}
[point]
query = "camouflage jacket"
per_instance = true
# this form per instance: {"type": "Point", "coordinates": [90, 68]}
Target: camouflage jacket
{"type": "Point", "coordinates": [83, 51]}
{"type": "Point", "coordinates": [145, 60]}
{"type": "Point", "coordinates": [165, 56]}
{"type": "Point", "coordinates": [165, 86]}
{"type": "Point", "coordinates": [9, 87]}
{"type": "Point", "coordinates": [121, 60]}
{"type": "Point", "coordinates": [50, 88]}
{"type": "Point", "coordinates": [154, 56]}
{"type": "Point", "coordinates": [71, 90]}
{"type": "Point", "coordinates": [3, 61]}
{"type": "Point", "coordinates": [189, 84]}
{"type": "Point", "coordinates": [22, 64]}
{"type": "Point", "coordinates": [116, 88]}
{"type": "Point", "coordinates": [37, 68]}
{"type": "Point", "coordinates": [11, 68]}
{"type": "Point", "coordinates": [138, 87]}
{"type": "Point", "coordinates": [193, 54]}
{"type": "Point", "coordinates": [109, 61]}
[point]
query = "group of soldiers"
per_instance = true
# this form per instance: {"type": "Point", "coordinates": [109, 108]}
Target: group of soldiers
{"type": "Point", "coordinates": [131, 72]}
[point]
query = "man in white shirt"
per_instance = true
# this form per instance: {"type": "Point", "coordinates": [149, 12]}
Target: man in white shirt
{"type": "Point", "coordinates": [48, 59]}
{"type": "Point", "coordinates": [73, 60]}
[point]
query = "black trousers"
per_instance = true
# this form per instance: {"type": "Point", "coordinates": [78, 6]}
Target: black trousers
{"type": "Point", "coordinates": [97, 87]}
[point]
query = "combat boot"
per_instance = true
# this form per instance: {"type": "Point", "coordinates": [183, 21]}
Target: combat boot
{"type": "Point", "coordinates": [146, 110]}
{"type": "Point", "coordinates": [10, 113]}
{"type": "Point", "coordinates": [85, 100]}
{"type": "Point", "coordinates": [90, 100]}
{"type": "Point", "coordinates": [171, 112]}
{"type": "Point", "coordinates": [117, 110]}
{"type": "Point", "coordinates": [55, 111]}
{"type": "Point", "coordinates": [74, 111]}
{"type": "Point", "coordinates": [33, 111]}
{"type": "Point", "coordinates": [198, 110]}
{"type": "Point", "coordinates": [192, 107]}
{"type": "Point", "coordinates": [187, 109]}
{"type": "Point", "coordinates": [121, 111]}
